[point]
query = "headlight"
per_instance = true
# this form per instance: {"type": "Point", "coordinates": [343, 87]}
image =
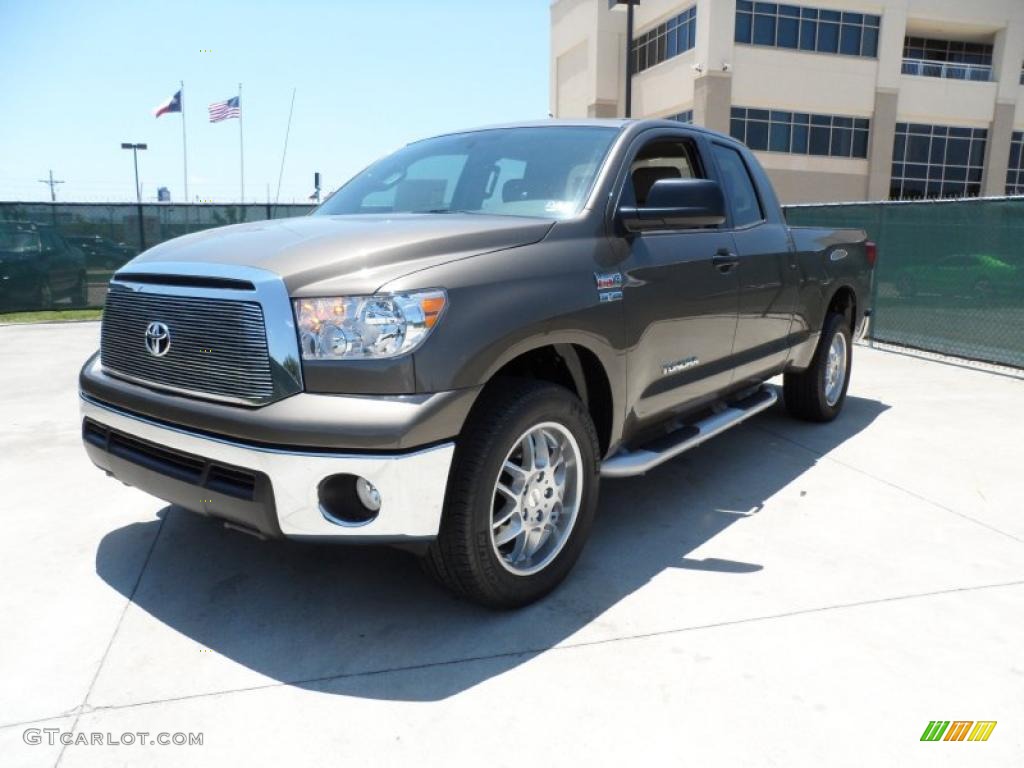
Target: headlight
{"type": "Point", "coordinates": [366, 327]}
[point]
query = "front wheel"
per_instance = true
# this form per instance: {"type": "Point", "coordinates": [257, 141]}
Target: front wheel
{"type": "Point", "coordinates": [818, 393]}
{"type": "Point", "coordinates": [521, 496]}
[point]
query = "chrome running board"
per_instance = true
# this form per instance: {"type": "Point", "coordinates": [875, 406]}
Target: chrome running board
{"type": "Point", "coordinates": [630, 463]}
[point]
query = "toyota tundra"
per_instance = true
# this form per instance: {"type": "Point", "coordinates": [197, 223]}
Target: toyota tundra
{"type": "Point", "coordinates": [454, 350]}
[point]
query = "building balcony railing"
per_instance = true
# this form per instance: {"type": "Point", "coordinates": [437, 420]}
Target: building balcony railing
{"type": "Point", "coordinates": [949, 69]}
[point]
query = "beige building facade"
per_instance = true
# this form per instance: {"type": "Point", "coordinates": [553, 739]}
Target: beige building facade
{"type": "Point", "coordinates": [841, 100]}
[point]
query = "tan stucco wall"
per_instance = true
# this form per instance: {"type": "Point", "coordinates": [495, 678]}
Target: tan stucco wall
{"type": "Point", "coordinates": [817, 187]}
{"type": "Point", "coordinates": [997, 156]}
{"type": "Point", "coordinates": [712, 101]}
{"type": "Point", "coordinates": [883, 136]}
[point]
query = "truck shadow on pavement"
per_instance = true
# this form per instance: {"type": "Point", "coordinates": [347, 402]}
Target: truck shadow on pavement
{"type": "Point", "coordinates": [366, 622]}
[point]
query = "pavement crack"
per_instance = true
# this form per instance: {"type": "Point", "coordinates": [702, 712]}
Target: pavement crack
{"type": "Point", "coordinates": [326, 679]}
{"type": "Point", "coordinates": [85, 707]}
{"type": "Point", "coordinates": [891, 484]}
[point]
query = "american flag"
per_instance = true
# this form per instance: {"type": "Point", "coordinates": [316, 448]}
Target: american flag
{"type": "Point", "coordinates": [223, 110]}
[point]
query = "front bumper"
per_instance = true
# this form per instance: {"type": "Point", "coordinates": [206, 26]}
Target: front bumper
{"type": "Point", "coordinates": [272, 491]}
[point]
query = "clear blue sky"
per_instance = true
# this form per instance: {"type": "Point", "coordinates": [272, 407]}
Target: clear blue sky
{"type": "Point", "coordinates": [81, 77]}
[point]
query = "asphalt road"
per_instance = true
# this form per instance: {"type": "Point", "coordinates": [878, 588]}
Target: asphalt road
{"type": "Point", "coordinates": [787, 594]}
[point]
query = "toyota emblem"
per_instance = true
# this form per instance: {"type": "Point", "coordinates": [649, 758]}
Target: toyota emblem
{"type": "Point", "coordinates": [158, 339]}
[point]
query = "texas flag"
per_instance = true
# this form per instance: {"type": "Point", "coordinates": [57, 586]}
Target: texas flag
{"type": "Point", "coordinates": [173, 104]}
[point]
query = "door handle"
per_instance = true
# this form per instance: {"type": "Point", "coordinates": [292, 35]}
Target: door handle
{"type": "Point", "coordinates": [725, 261]}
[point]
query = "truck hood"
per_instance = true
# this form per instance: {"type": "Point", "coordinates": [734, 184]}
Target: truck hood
{"type": "Point", "coordinates": [332, 255]}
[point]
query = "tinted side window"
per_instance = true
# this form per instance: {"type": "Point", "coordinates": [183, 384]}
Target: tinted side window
{"type": "Point", "coordinates": [659, 159]}
{"type": "Point", "coordinates": [738, 186]}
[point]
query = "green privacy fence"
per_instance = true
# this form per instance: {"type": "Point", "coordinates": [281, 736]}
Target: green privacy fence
{"type": "Point", "coordinates": [57, 255]}
{"type": "Point", "coordinates": [950, 273]}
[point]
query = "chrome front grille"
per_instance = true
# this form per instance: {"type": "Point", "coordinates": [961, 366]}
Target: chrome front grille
{"type": "Point", "coordinates": [218, 347]}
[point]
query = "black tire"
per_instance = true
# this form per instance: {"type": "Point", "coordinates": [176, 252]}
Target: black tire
{"type": "Point", "coordinates": [805, 391]}
{"type": "Point", "coordinates": [463, 558]}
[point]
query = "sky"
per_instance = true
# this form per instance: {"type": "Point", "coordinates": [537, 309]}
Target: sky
{"type": "Point", "coordinates": [80, 78]}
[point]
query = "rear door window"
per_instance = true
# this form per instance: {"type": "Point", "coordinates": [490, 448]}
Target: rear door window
{"type": "Point", "coordinates": [738, 186]}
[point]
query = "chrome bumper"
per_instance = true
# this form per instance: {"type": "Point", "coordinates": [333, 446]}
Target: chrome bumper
{"type": "Point", "coordinates": [412, 485]}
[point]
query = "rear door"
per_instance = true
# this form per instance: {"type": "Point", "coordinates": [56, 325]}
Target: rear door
{"type": "Point", "coordinates": [767, 274]}
{"type": "Point", "coordinates": [680, 289]}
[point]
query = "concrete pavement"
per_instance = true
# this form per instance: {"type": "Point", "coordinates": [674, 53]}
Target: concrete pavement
{"type": "Point", "coordinates": [788, 594]}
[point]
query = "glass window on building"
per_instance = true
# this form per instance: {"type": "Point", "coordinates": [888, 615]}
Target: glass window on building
{"type": "Point", "coordinates": [686, 116]}
{"type": "Point", "coordinates": [937, 161]}
{"type": "Point", "coordinates": [795, 27]}
{"type": "Point", "coordinates": [671, 38]}
{"type": "Point", "coordinates": [1015, 173]}
{"type": "Point", "coordinates": [954, 59]}
{"type": "Point", "coordinates": [801, 133]}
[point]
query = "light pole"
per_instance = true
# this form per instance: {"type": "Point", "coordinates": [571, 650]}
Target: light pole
{"type": "Point", "coordinates": [138, 192]}
{"type": "Point", "coordinates": [613, 4]}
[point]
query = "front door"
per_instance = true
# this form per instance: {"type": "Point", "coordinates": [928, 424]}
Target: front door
{"type": "Point", "coordinates": [680, 292]}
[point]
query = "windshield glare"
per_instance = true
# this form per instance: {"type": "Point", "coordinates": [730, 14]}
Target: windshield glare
{"type": "Point", "coordinates": [546, 172]}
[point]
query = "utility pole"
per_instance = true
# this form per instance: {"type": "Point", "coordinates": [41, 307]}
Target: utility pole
{"type": "Point", "coordinates": [138, 191]}
{"type": "Point", "coordinates": [53, 183]}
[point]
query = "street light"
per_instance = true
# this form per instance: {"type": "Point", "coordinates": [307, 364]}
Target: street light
{"type": "Point", "coordinates": [138, 192]}
{"type": "Point", "coordinates": [614, 5]}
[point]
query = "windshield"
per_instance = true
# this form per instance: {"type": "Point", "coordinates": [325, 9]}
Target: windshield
{"type": "Point", "coordinates": [545, 171]}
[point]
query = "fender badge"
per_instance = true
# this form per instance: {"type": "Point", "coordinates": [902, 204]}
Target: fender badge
{"type": "Point", "coordinates": [607, 280]}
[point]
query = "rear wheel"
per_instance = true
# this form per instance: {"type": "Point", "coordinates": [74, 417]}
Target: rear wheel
{"type": "Point", "coordinates": [521, 496]}
{"type": "Point", "coordinates": [818, 393]}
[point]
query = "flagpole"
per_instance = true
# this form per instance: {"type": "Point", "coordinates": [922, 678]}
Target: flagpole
{"type": "Point", "coordinates": [184, 142]}
{"type": "Point", "coordinates": [284, 152]}
{"type": "Point", "coordinates": [241, 150]}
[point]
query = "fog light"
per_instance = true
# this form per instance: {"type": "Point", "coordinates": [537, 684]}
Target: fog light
{"type": "Point", "coordinates": [348, 500]}
{"type": "Point", "coordinates": [368, 494]}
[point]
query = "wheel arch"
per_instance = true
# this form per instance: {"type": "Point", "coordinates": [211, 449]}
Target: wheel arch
{"type": "Point", "coordinates": [574, 366]}
{"type": "Point", "coordinates": [841, 297]}
{"type": "Point", "coordinates": [843, 301]}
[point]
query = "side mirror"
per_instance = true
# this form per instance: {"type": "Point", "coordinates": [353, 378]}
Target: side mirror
{"type": "Point", "coordinates": [677, 203]}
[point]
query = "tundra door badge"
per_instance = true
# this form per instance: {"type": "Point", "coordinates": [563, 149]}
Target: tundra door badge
{"type": "Point", "coordinates": [608, 285]}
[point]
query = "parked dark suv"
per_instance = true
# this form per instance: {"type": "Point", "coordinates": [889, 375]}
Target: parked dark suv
{"type": "Point", "coordinates": [39, 267]}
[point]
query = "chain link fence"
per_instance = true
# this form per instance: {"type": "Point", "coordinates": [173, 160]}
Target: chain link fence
{"type": "Point", "coordinates": [950, 273]}
{"type": "Point", "coordinates": [60, 255]}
